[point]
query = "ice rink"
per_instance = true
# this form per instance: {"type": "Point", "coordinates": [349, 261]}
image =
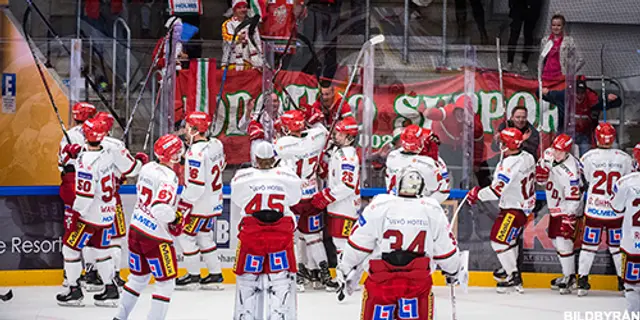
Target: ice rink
{"type": "Point", "coordinates": [479, 303]}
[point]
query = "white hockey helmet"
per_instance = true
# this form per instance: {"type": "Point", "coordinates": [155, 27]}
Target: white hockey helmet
{"type": "Point", "coordinates": [410, 183]}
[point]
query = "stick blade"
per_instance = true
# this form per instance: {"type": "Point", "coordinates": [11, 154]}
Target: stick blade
{"type": "Point", "coordinates": [8, 296]}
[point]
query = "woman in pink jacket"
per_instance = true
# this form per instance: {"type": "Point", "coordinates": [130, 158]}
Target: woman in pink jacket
{"type": "Point", "coordinates": [562, 53]}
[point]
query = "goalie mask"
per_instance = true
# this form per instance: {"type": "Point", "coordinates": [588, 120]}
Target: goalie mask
{"type": "Point", "coordinates": [410, 183]}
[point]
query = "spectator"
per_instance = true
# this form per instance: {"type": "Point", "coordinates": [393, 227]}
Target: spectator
{"type": "Point", "coordinates": [329, 102]}
{"type": "Point", "coordinates": [563, 50]}
{"type": "Point", "coordinates": [478, 16]}
{"type": "Point", "coordinates": [521, 12]}
{"type": "Point", "coordinates": [588, 106]}
{"type": "Point", "coordinates": [320, 27]}
{"type": "Point", "coordinates": [189, 11]}
{"type": "Point", "coordinates": [530, 134]}
{"type": "Point", "coordinates": [245, 53]}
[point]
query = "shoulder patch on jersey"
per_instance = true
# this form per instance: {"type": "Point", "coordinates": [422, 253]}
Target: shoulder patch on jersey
{"type": "Point", "coordinates": [362, 221]}
{"type": "Point", "coordinates": [85, 175]}
{"type": "Point", "coordinates": [504, 178]}
{"type": "Point", "coordinates": [349, 167]}
{"type": "Point", "coordinates": [194, 163]}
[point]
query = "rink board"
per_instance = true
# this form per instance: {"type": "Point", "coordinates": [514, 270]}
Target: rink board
{"type": "Point", "coordinates": [31, 230]}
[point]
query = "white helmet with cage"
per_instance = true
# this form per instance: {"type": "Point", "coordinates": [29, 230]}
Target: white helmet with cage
{"type": "Point", "coordinates": [411, 183]}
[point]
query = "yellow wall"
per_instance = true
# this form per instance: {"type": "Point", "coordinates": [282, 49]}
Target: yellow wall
{"type": "Point", "coordinates": [29, 138]}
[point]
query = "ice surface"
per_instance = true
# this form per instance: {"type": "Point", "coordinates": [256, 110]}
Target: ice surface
{"type": "Point", "coordinates": [480, 303]}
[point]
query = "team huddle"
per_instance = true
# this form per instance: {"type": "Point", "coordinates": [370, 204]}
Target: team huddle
{"type": "Point", "coordinates": [308, 180]}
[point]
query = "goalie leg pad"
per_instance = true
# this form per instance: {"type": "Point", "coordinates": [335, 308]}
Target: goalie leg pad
{"type": "Point", "coordinates": [249, 297]}
{"type": "Point", "coordinates": [280, 295]}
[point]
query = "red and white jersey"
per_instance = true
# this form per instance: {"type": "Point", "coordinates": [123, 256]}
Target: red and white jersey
{"type": "Point", "coordinates": [125, 164]}
{"type": "Point", "coordinates": [514, 183]}
{"type": "Point", "coordinates": [95, 187]}
{"type": "Point", "coordinates": [253, 190]}
{"type": "Point", "coordinates": [625, 200]}
{"type": "Point", "coordinates": [563, 187]}
{"type": "Point", "coordinates": [343, 182]}
{"type": "Point", "coordinates": [434, 182]}
{"type": "Point", "coordinates": [278, 22]}
{"type": "Point", "coordinates": [203, 167]}
{"type": "Point", "coordinates": [602, 169]}
{"type": "Point", "coordinates": [157, 191]}
{"type": "Point", "coordinates": [300, 154]}
{"type": "Point", "coordinates": [392, 223]}
{"type": "Point", "coordinates": [77, 137]}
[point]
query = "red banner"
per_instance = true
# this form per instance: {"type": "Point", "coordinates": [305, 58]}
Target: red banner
{"type": "Point", "coordinates": [395, 105]}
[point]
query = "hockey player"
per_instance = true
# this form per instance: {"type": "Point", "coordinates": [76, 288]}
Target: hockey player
{"type": "Point", "coordinates": [126, 166]}
{"type": "Point", "coordinates": [412, 141]}
{"type": "Point", "coordinates": [265, 262]}
{"type": "Point", "coordinates": [154, 223]}
{"type": "Point", "coordinates": [514, 186]}
{"type": "Point", "coordinates": [202, 199]}
{"type": "Point", "coordinates": [92, 212]}
{"type": "Point", "coordinates": [603, 166]}
{"type": "Point", "coordinates": [403, 255]}
{"type": "Point", "coordinates": [625, 200]}
{"type": "Point", "coordinates": [560, 173]}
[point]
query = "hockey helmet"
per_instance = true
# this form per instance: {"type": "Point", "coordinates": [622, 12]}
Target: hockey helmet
{"type": "Point", "coordinates": [292, 121]}
{"type": "Point", "coordinates": [605, 134]}
{"type": "Point", "coordinates": [511, 138]}
{"type": "Point", "coordinates": [106, 117]}
{"type": "Point", "coordinates": [168, 148]}
{"type": "Point", "coordinates": [412, 139]}
{"type": "Point", "coordinates": [199, 120]}
{"type": "Point", "coordinates": [410, 182]}
{"type": "Point", "coordinates": [348, 126]}
{"type": "Point", "coordinates": [636, 153]}
{"type": "Point", "coordinates": [82, 111]}
{"type": "Point", "coordinates": [563, 143]}
{"type": "Point", "coordinates": [94, 129]}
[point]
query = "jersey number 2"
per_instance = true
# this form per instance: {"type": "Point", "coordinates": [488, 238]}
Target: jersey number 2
{"type": "Point", "coordinates": [417, 245]}
{"type": "Point", "coordinates": [635, 220]}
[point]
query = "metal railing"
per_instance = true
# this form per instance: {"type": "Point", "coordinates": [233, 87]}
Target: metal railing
{"type": "Point", "coordinates": [114, 67]}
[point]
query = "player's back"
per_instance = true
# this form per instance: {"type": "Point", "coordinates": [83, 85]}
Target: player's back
{"type": "Point", "coordinates": [518, 173]}
{"type": "Point", "coordinates": [398, 160]}
{"type": "Point", "coordinates": [602, 169]}
{"type": "Point", "coordinates": [275, 189]}
{"type": "Point", "coordinates": [207, 157]}
{"type": "Point", "coordinates": [626, 201]}
{"type": "Point", "coordinates": [155, 182]}
{"type": "Point", "coordinates": [301, 154]}
{"type": "Point", "coordinates": [564, 183]}
{"type": "Point", "coordinates": [95, 187]}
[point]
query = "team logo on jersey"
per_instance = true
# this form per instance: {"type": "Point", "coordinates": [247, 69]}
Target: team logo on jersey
{"type": "Point", "coordinates": [615, 235]}
{"type": "Point", "coordinates": [383, 312]}
{"type": "Point", "coordinates": [253, 264]}
{"type": "Point", "coordinates": [315, 223]}
{"type": "Point", "coordinates": [505, 227]}
{"type": "Point", "coordinates": [167, 259]}
{"type": "Point", "coordinates": [156, 268]}
{"type": "Point", "coordinates": [631, 271]}
{"type": "Point", "coordinates": [134, 262]}
{"type": "Point", "coordinates": [408, 308]}
{"type": "Point", "coordinates": [591, 235]}
{"type": "Point", "coordinates": [280, 13]}
{"type": "Point", "coordinates": [362, 221]}
{"type": "Point", "coordinates": [278, 261]}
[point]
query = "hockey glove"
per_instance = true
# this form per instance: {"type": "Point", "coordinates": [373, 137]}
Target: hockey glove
{"type": "Point", "coordinates": [542, 174]}
{"type": "Point", "coordinates": [322, 199]}
{"type": "Point", "coordinates": [175, 227]}
{"type": "Point", "coordinates": [71, 219]}
{"type": "Point", "coordinates": [72, 150]}
{"type": "Point", "coordinates": [143, 157]}
{"type": "Point", "coordinates": [323, 170]}
{"type": "Point", "coordinates": [472, 196]}
{"type": "Point", "coordinates": [305, 209]}
{"type": "Point", "coordinates": [568, 226]}
{"type": "Point", "coordinates": [255, 130]}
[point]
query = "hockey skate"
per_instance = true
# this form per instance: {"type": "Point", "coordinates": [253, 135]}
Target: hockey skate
{"type": "Point", "coordinates": [583, 286]}
{"type": "Point", "coordinates": [303, 277]}
{"type": "Point", "coordinates": [316, 284]}
{"type": "Point", "coordinates": [93, 283]}
{"type": "Point", "coordinates": [500, 275]}
{"type": "Point", "coordinates": [566, 284]}
{"type": "Point", "coordinates": [513, 283]}
{"type": "Point", "coordinates": [109, 297]}
{"type": "Point", "coordinates": [621, 287]}
{"type": "Point", "coordinates": [325, 276]}
{"type": "Point", "coordinates": [300, 284]}
{"type": "Point", "coordinates": [212, 282]}
{"type": "Point", "coordinates": [71, 297]}
{"type": "Point", "coordinates": [188, 282]}
{"type": "Point", "coordinates": [118, 281]}
{"type": "Point", "coordinates": [554, 283]}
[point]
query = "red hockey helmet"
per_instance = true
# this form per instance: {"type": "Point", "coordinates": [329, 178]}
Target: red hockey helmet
{"type": "Point", "coordinates": [605, 134]}
{"type": "Point", "coordinates": [412, 138]}
{"type": "Point", "coordinates": [94, 129]}
{"type": "Point", "coordinates": [106, 117]}
{"type": "Point", "coordinates": [636, 153]}
{"type": "Point", "coordinates": [199, 120]}
{"type": "Point", "coordinates": [168, 148]}
{"type": "Point", "coordinates": [82, 111]}
{"type": "Point", "coordinates": [563, 143]}
{"type": "Point", "coordinates": [511, 138]}
{"type": "Point", "coordinates": [292, 121]}
{"type": "Point", "coordinates": [348, 126]}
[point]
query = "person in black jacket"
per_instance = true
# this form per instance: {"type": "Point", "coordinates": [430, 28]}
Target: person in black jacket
{"type": "Point", "coordinates": [530, 133]}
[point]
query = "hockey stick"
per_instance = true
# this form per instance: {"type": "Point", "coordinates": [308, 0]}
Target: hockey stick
{"type": "Point", "coordinates": [541, 59]}
{"type": "Point", "coordinates": [43, 78]}
{"type": "Point", "coordinates": [455, 215]}
{"type": "Point", "coordinates": [604, 87]}
{"type": "Point", "coordinates": [7, 296]}
{"type": "Point", "coordinates": [153, 118]}
{"type": "Point", "coordinates": [504, 102]}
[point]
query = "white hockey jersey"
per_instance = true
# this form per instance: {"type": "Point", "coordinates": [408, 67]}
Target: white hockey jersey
{"type": "Point", "coordinates": [343, 182]}
{"type": "Point", "coordinates": [276, 189]}
{"type": "Point", "coordinates": [95, 187]}
{"type": "Point", "coordinates": [514, 183]}
{"type": "Point", "coordinates": [392, 223]}
{"type": "Point", "coordinates": [157, 190]}
{"type": "Point", "coordinates": [77, 137]}
{"type": "Point", "coordinates": [625, 200]}
{"type": "Point", "coordinates": [563, 187]}
{"type": "Point", "coordinates": [435, 183]}
{"type": "Point", "coordinates": [602, 169]}
{"type": "Point", "coordinates": [125, 164]}
{"type": "Point", "coordinates": [204, 163]}
{"type": "Point", "coordinates": [301, 155]}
